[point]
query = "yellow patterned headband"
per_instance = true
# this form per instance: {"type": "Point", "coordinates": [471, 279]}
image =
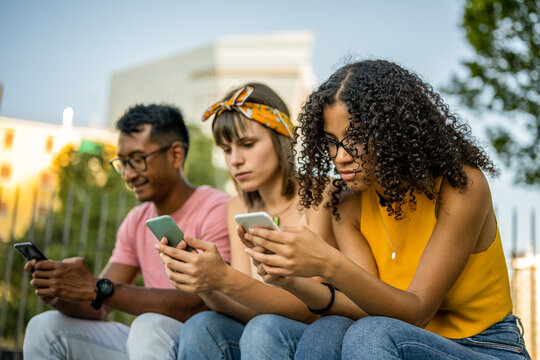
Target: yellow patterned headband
{"type": "Point", "coordinates": [263, 114]}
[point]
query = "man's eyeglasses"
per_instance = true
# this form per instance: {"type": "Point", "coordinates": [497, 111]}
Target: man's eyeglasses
{"type": "Point", "coordinates": [137, 162]}
{"type": "Point", "coordinates": [329, 147]}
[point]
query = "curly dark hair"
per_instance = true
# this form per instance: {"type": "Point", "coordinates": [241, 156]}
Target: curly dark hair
{"type": "Point", "coordinates": [410, 137]}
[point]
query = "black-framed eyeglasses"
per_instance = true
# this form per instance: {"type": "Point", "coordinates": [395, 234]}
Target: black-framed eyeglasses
{"type": "Point", "coordinates": [137, 162]}
{"type": "Point", "coordinates": [329, 147]}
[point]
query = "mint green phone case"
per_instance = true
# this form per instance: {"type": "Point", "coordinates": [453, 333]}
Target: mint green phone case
{"type": "Point", "coordinates": [165, 226]}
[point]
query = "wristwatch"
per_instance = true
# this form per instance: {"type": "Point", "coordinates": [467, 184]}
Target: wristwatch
{"type": "Point", "coordinates": [104, 288]}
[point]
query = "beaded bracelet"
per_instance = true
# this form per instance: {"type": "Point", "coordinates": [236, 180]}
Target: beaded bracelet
{"type": "Point", "coordinates": [322, 311]}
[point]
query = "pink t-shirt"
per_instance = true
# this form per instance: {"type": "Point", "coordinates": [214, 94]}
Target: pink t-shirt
{"type": "Point", "coordinates": [203, 216]}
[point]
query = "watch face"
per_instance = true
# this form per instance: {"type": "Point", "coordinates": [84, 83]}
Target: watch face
{"type": "Point", "coordinates": [104, 286]}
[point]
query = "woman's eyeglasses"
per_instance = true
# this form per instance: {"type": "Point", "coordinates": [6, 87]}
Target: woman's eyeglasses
{"type": "Point", "coordinates": [329, 147]}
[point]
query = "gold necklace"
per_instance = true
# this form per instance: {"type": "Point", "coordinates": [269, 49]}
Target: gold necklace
{"type": "Point", "coordinates": [388, 236]}
{"type": "Point", "coordinates": [275, 216]}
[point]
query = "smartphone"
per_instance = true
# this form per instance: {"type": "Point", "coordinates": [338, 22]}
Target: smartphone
{"type": "Point", "coordinates": [165, 226]}
{"type": "Point", "coordinates": [29, 251]}
{"type": "Point", "coordinates": [256, 219]}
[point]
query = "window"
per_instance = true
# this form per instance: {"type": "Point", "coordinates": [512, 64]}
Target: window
{"type": "Point", "coordinates": [47, 180]}
{"type": "Point", "coordinates": [49, 144]}
{"type": "Point", "coordinates": [3, 209]}
{"type": "Point", "coordinates": [43, 211]}
{"type": "Point", "coordinates": [8, 138]}
{"type": "Point", "coordinates": [5, 172]}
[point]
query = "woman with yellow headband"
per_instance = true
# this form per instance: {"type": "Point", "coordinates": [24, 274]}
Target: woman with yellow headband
{"type": "Point", "coordinates": [252, 127]}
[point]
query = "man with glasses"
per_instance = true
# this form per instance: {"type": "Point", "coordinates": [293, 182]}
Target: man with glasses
{"type": "Point", "coordinates": [152, 146]}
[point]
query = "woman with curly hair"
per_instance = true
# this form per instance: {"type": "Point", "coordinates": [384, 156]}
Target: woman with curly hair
{"type": "Point", "coordinates": [252, 127]}
{"type": "Point", "coordinates": [420, 265]}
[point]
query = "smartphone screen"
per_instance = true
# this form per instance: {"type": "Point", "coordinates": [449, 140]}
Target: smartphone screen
{"type": "Point", "coordinates": [29, 251]}
{"type": "Point", "coordinates": [165, 226]}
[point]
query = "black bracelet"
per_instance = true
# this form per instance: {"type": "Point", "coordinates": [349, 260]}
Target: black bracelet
{"type": "Point", "coordinates": [322, 311]}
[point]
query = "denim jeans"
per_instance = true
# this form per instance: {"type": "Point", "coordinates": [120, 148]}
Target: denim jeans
{"type": "Point", "coordinates": [51, 335]}
{"type": "Point", "coordinates": [210, 335]}
{"type": "Point", "coordinates": [379, 337]}
{"type": "Point", "coordinates": [323, 338]}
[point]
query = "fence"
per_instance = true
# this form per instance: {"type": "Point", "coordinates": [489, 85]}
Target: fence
{"type": "Point", "coordinates": [65, 230]}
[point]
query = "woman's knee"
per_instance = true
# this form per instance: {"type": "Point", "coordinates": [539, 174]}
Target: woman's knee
{"type": "Point", "coordinates": [271, 336]}
{"type": "Point", "coordinates": [199, 326]}
{"type": "Point", "coordinates": [210, 335]}
{"type": "Point", "coordinates": [261, 328]}
{"type": "Point", "coordinates": [322, 339]}
{"type": "Point", "coordinates": [372, 329]}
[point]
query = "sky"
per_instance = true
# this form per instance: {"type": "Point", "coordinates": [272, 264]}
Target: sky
{"type": "Point", "coordinates": [55, 54]}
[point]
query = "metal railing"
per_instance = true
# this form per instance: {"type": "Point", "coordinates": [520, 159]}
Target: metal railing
{"type": "Point", "coordinates": [56, 236]}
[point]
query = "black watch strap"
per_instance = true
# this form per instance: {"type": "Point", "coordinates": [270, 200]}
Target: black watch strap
{"type": "Point", "coordinates": [103, 288]}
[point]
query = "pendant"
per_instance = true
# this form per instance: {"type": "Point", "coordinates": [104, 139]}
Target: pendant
{"type": "Point", "coordinates": [393, 255]}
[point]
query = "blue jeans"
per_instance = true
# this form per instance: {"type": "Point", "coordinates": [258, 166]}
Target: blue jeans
{"type": "Point", "coordinates": [323, 338]}
{"type": "Point", "coordinates": [379, 337]}
{"type": "Point", "coordinates": [210, 335]}
{"type": "Point", "coordinates": [51, 335]}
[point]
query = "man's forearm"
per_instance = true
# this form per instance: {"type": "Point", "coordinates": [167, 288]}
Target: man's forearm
{"type": "Point", "coordinates": [79, 309]}
{"type": "Point", "coordinates": [221, 303]}
{"type": "Point", "coordinates": [136, 300]}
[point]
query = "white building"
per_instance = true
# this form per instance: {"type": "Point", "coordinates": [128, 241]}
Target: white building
{"type": "Point", "coordinates": [27, 149]}
{"type": "Point", "coordinates": [525, 290]}
{"type": "Point", "coordinates": [195, 79]}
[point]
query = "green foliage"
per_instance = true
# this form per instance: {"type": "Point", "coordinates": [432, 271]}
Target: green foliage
{"type": "Point", "coordinates": [199, 169]}
{"type": "Point", "coordinates": [504, 77]}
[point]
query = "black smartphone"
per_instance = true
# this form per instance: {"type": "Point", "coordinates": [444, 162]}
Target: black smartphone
{"type": "Point", "coordinates": [29, 251]}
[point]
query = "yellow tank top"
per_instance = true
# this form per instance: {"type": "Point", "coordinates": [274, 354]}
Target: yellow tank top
{"type": "Point", "coordinates": [481, 295]}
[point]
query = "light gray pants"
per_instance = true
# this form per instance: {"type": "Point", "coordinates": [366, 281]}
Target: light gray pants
{"type": "Point", "coordinates": [51, 335]}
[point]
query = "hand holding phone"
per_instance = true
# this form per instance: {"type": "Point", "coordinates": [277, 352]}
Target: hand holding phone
{"type": "Point", "coordinates": [256, 219]}
{"type": "Point", "coordinates": [165, 226]}
{"type": "Point", "coordinates": [29, 251]}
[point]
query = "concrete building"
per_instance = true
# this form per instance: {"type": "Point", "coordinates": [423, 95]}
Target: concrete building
{"type": "Point", "coordinates": [27, 149]}
{"type": "Point", "coordinates": [195, 79]}
{"type": "Point", "coordinates": [525, 290]}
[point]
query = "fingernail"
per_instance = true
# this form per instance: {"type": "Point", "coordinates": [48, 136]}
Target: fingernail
{"type": "Point", "coordinates": [248, 251]}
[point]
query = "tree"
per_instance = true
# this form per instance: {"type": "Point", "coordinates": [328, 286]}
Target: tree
{"type": "Point", "coordinates": [199, 169]}
{"type": "Point", "coordinates": [504, 77]}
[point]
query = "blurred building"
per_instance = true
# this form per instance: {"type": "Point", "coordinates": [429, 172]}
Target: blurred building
{"type": "Point", "coordinates": [525, 290]}
{"type": "Point", "coordinates": [27, 149]}
{"type": "Point", "coordinates": [195, 79]}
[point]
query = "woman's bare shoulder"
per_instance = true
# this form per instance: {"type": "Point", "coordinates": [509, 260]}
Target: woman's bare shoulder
{"type": "Point", "coordinates": [236, 206]}
{"type": "Point", "coordinates": [477, 184]}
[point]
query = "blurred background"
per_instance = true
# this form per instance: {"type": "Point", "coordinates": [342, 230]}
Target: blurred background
{"type": "Point", "coordinates": [68, 70]}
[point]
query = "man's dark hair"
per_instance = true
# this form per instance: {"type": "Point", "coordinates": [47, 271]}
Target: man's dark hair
{"type": "Point", "coordinates": [166, 120]}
